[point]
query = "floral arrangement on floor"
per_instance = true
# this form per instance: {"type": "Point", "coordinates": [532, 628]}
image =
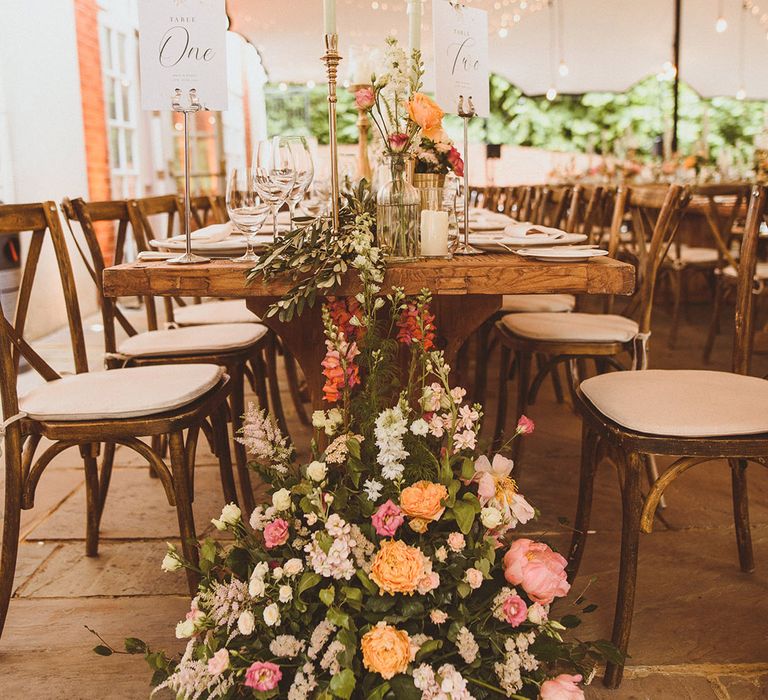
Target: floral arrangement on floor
{"type": "Point", "coordinates": [386, 567]}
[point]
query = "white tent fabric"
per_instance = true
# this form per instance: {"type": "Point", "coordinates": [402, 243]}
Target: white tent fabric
{"type": "Point", "coordinates": [607, 44]}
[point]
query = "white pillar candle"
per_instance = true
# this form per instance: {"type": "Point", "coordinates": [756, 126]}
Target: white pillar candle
{"type": "Point", "coordinates": [414, 25]}
{"type": "Point", "coordinates": [329, 8]}
{"type": "Point", "coordinates": [434, 233]}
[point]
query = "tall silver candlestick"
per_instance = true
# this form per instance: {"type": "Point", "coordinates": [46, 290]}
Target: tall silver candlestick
{"type": "Point", "coordinates": [464, 248]}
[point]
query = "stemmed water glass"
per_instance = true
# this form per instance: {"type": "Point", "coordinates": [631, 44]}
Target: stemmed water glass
{"type": "Point", "coordinates": [305, 171]}
{"type": "Point", "coordinates": [274, 174]}
{"type": "Point", "coordinates": [246, 209]}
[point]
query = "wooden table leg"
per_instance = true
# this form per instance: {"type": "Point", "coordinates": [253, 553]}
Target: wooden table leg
{"type": "Point", "coordinates": [456, 317]}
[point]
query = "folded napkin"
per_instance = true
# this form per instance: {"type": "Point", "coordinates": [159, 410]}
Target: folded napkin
{"type": "Point", "coordinates": [214, 233]}
{"type": "Point", "coordinates": [533, 232]}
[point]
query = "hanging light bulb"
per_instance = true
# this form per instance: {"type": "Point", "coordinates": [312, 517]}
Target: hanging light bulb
{"type": "Point", "coordinates": [503, 32]}
{"type": "Point", "coordinates": [741, 94]}
{"type": "Point", "coordinates": [721, 25]}
{"type": "Point", "coordinates": [551, 93]}
{"type": "Point", "coordinates": [563, 69]}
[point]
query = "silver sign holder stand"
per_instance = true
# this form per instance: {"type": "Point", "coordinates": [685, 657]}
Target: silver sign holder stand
{"type": "Point", "coordinates": [464, 248]}
{"type": "Point", "coordinates": [188, 258]}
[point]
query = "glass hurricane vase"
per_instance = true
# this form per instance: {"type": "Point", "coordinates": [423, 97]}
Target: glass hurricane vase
{"type": "Point", "coordinates": [398, 206]}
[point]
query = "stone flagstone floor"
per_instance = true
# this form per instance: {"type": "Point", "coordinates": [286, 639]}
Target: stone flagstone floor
{"type": "Point", "coordinates": [700, 629]}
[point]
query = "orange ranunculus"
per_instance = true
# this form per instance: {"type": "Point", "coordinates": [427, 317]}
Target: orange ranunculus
{"type": "Point", "coordinates": [398, 568]}
{"type": "Point", "coordinates": [427, 114]}
{"type": "Point", "coordinates": [386, 650]}
{"type": "Point", "coordinates": [422, 502]}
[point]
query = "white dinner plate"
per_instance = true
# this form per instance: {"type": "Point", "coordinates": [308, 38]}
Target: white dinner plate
{"type": "Point", "coordinates": [231, 245]}
{"type": "Point", "coordinates": [501, 241]}
{"type": "Point", "coordinates": [562, 254]}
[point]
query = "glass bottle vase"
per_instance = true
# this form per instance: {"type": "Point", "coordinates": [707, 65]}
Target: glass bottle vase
{"type": "Point", "coordinates": [398, 207]}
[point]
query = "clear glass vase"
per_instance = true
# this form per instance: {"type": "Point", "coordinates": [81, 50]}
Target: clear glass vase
{"type": "Point", "coordinates": [398, 206]}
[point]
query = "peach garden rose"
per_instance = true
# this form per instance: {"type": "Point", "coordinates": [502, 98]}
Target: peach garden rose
{"type": "Point", "coordinates": [427, 114]}
{"type": "Point", "coordinates": [386, 650]}
{"type": "Point", "coordinates": [423, 503]}
{"type": "Point", "coordinates": [398, 568]}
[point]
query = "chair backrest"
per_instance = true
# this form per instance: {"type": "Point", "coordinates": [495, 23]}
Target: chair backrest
{"type": "Point", "coordinates": [170, 206]}
{"type": "Point", "coordinates": [745, 298]}
{"type": "Point", "coordinates": [42, 219]}
{"type": "Point", "coordinates": [206, 210]}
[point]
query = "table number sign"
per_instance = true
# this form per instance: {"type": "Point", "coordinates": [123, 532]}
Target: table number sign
{"type": "Point", "coordinates": [182, 45]}
{"type": "Point", "coordinates": [461, 56]}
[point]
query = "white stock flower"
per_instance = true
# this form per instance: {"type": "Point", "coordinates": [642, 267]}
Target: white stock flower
{"type": "Point", "coordinates": [373, 489]}
{"type": "Point", "coordinates": [317, 471]}
{"type": "Point", "coordinates": [391, 425]}
{"type": "Point", "coordinates": [271, 615]}
{"type": "Point", "coordinates": [420, 427]}
{"type": "Point", "coordinates": [285, 594]}
{"type": "Point", "coordinates": [246, 622]}
{"type": "Point", "coordinates": [281, 499]}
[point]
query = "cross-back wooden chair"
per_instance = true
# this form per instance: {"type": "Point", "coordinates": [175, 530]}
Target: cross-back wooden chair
{"type": "Point", "coordinates": [88, 409]}
{"type": "Point", "coordinates": [512, 198]}
{"type": "Point", "coordinates": [229, 345]}
{"type": "Point", "coordinates": [701, 415]}
{"type": "Point", "coordinates": [574, 337]}
{"type": "Point", "coordinates": [205, 211]}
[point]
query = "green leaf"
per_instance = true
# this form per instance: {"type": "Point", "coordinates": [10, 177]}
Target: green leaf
{"type": "Point", "coordinates": [308, 580]}
{"type": "Point", "coordinates": [464, 513]}
{"type": "Point", "coordinates": [570, 621]}
{"type": "Point", "coordinates": [467, 468]}
{"type": "Point", "coordinates": [403, 688]}
{"type": "Point", "coordinates": [338, 618]}
{"type": "Point", "coordinates": [342, 684]}
{"type": "Point", "coordinates": [369, 585]}
{"type": "Point", "coordinates": [428, 648]}
{"type": "Point", "coordinates": [590, 608]}
{"type": "Point", "coordinates": [327, 595]}
{"type": "Point", "coordinates": [463, 589]}
{"type": "Point", "coordinates": [102, 650]}
{"type": "Point", "coordinates": [135, 646]}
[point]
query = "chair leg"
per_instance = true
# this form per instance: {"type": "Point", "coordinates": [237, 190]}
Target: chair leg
{"type": "Point", "coordinates": [524, 360]}
{"type": "Point", "coordinates": [632, 504]}
{"type": "Point", "coordinates": [89, 454]}
{"type": "Point", "coordinates": [274, 386]}
{"type": "Point", "coordinates": [589, 443]}
{"type": "Point", "coordinates": [105, 474]}
{"type": "Point", "coordinates": [293, 386]}
{"type": "Point", "coordinates": [181, 469]}
{"type": "Point", "coordinates": [556, 383]}
{"type": "Point", "coordinates": [481, 362]}
{"type": "Point", "coordinates": [714, 323]}
{"type": "Point", "coordinates": [676, 280]}
{"type": "Point", "coordinates": [221, 438]}
{"type": "Point", "coordinates": [237, 409]}
{"type": "Point", "coordinates": [503, 398]}
{"type": "Point", "coordinates": [11, 526]}
{"type": "Point", "coordinates": [741, 514]}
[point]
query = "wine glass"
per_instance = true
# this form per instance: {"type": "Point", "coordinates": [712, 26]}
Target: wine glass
{"type": "Point", "coordinates": [305, 171]}
{"type": "Point", "coordinates": [246, 209]}
{"type": "Point", "coordinates": [274, 174]}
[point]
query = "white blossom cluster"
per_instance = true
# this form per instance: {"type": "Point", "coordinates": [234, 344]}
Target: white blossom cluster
{"type": "Point", "coordinates": [516, 660]}
{"type": "Point", "coordinates": [191, 679]}
{"type": "Point", "coordinates": [466, 645]}
{"type": "Point", "coordinates": [287, 646]}
{"type": "Point", "coordinates": [336, 562]}
{"type": "Point", "coordinates": [320, 636]}
{"type": "Point", "coordinates": [303, 683]}
{"type": "Point", "coordinates": [446, 684]}
{"type": "Point", "coordinates": [391, 425]}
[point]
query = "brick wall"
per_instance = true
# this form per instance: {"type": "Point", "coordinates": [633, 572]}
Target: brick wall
{"type": "Point", "coordinates": [94, 115]}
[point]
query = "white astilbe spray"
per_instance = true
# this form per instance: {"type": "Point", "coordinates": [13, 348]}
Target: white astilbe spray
{"type": "Point", "coordinates": [319, 638]}
{"type": "Point", "coordinates": [329, 662]}
{"type": "Point", "coordinates": [263, 439]}
{"type": "Point", "coordinates": [287, 646]}
{"type": "Point", "coordinates": [467, 646]}
{"type": "Point", "coordinates": [191, 679]}
{"type": "Point", "coordinates": [303, 683]}
{"type": "Point", "coordinates": [223, 602]}
{"type": "Point", "coordinates": [391, 426]}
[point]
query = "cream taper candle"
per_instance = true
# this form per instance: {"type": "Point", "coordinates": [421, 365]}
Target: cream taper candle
{"type": "Point", "coordinates": [329, 8]}
{"type": "Point", "coordinates": [414, 25]}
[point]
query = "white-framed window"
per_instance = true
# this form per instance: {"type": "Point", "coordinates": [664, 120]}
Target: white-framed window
{"type": "Point", "coordinates": [119, 64]}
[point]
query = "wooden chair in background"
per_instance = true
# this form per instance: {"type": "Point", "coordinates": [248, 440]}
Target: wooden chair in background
{"type": "Point", "coordinates": [699, 414]}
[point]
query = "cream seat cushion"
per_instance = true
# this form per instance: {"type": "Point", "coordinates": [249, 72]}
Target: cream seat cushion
{"type": "Point", "coordinates": [120, 393]}
{"type": "Point", "coordinates": [573, 327]}
{"type": "Point", "coordinates": [516, 303]}
{"type": "Point", "coordinates": [693, 255]}
{"type": "Point", "coordinates": [229, 311]}
{"type": "Point", "coordinates": [761, 271]}
{"type": "Point", "coordinates": [682, 403]}
{"type": "Point", "coordinates": [193, 340]}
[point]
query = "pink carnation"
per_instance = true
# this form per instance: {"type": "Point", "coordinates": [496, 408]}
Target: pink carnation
{"type": "Point", "coordinates": [275, 533]}
{"type": "Point", "coordinates": [525, 426]}
{"type": "Point", "coordinates": [515, 610]}
{"type": "Point", "coordinates": [263, 675]}
{"type": "Point", "coordinates": [365, 98]}
{"type": "Point", "coordinates": [539, 570]}
{"type": "Point", "coordinates": [387, 519]}
{"type": "Point", "coordinates": [562, 688]}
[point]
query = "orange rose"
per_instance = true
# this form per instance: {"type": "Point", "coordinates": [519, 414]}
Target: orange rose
{"type": "Point", "coordinates": [397, 568]}
{"type": "Point", "coordinates": [427, 114]}
{"type": "Point", "coordinates": [422, 502]}
{"type": "Point", "coordinates": [386, 650]}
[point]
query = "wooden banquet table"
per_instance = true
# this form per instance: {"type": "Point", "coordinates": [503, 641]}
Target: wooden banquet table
{"type": "Point", "coordinates": [467, 292]}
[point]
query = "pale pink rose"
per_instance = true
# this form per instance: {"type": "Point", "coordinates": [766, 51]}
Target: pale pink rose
{"type": "Point", "coordinates": [539, 570]}
{"type": "Point", "coordinates": [428, 582]}
{"type": "Point", "coordinates": [398, 142]}
{"type": "Point", "coordinates": [387, 519]}
{"type": "Point", "coordinates": [538, 614]}
{"type": "Point", "coordinates": [488, 474]}
{"type": "Point", "coordinates": [194, 614]}
{"type": "Point", "coordinates": [275, 533]}
{"type": "Point", "coordinates": [263, 675]}
{"type": "Point", "coordinates": [525, 426]}
{"type": "Point", "coordinates": [474, 577]}
{"type": "Point", "coordinates": [438, 617]}
{"type": "Point", "coordinates": [515, 610]}
{"type": "Point", "coordinates": [219, 662]}
{"type": "Point", "coordinates": [521, 509]}
{"type": "Point", "coordinates": [365, 98]}
{"type": "Point", "coordinates": [456, 541]}
{"type": "Point", "coordinates": [563, 687]}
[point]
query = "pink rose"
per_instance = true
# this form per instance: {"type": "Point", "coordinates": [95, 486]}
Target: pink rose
{"type": "Point", "coordinates": [474, 577]}
{"type": "Point", "coordinates": [263, 675]}
{"type": "Point", "coordinates": [539, 570]}
{"type": "Point", "coordinates": [525, 426]}
{"type": "Point", "coordinates": [398, 142]}
{"type": "Point", "coordinates": [515, 610]}
{"type": "Point", "coordinates": [387, 519]}
{"type": "Point", "coordinates": [365, 98]}
{"type": "Point", "coordinates": [428, 582]}
{"type": "Point", "coordinates": [219, 662]}
{"type": "Point", "coordinates": [562, 688]}
{"type": "Point", "coordinates": [275, 533]}
{"type": "Point", "coordinates": [456, 541]}
{"type": "Point", "coordinates": [454, 158]}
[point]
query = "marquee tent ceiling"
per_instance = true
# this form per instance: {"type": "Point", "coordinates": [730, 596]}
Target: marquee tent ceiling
{"type": "Point", "coordinates": [607, 44]}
